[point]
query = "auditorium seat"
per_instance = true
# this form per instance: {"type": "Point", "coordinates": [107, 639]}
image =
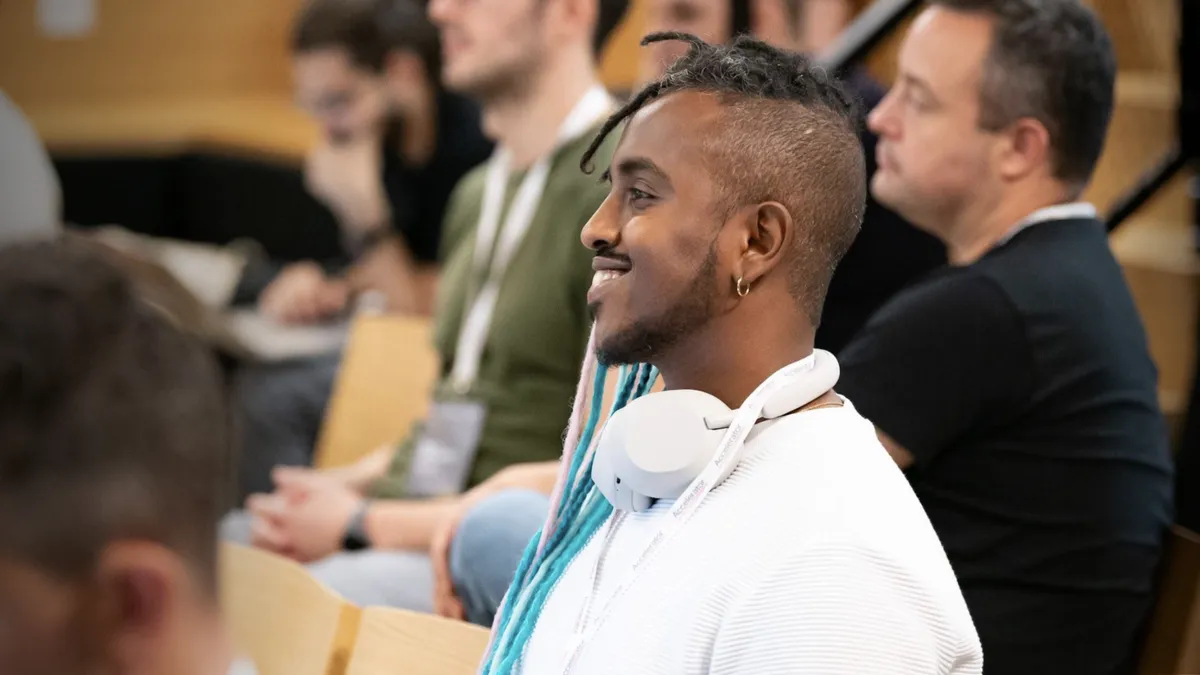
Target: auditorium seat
{"type": "Point", "coordinates": [382, 389]}
{"type": "Point", "coordinates": [282, 619]}
{"type": "Point", "coordinates": [396, 641]}
{"type": "Point", "coordinates": [1173, 643]}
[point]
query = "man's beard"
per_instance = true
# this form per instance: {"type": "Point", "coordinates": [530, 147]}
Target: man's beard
{"type": "Point", "coordinates": [649, 338]}
{"type": "Point", "coordinates": [504, 81]}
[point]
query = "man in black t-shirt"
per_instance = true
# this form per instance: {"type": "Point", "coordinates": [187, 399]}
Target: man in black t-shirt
{"type": "Point", "coordinates": [393, 145]}
{"type": "Point", "coordinates": [1015, 386]}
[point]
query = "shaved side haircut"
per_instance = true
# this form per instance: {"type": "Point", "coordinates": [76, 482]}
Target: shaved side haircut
{"type": "Point", "coordinates": [790, 135]}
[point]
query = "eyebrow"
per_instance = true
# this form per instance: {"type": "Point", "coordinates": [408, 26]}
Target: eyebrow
{"type": "Point", "coordinates": [914, 81]}
{"type": "Point", "coordinates": [634, 165]}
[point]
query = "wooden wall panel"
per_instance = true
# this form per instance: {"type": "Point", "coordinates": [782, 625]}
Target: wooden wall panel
{"type": "Point", "coordinates": [150, 50]}
{"type": "Point", "coordinates": [157, 75]}
{"type": "Point", "coordinates": [619, 68]}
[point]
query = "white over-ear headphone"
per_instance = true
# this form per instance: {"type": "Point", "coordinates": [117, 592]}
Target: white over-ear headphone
{"type": "Point", "coordinates": [657, 445]}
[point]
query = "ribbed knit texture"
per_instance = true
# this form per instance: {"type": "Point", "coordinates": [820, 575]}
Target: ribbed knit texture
{"type": "Point", "coordinates": [814, 557]}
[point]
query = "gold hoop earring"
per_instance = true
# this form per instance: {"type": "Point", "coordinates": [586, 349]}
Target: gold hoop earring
{"type": "Point", "coordinates": [743, 288]}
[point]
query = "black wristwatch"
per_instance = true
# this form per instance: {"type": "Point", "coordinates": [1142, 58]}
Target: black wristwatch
{"type": "Point", "coordinates": [355, 537]}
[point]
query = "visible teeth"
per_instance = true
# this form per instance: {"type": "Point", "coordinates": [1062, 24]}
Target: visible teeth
{"type": "Point", "coordinates": [604, 275]}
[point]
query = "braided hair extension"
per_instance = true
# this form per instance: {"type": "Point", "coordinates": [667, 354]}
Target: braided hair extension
{"type": "Point", "coordinates": [580, 513]}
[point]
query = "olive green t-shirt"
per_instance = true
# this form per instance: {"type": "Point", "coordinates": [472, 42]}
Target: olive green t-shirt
{"type": "Point", "coordinates": [535, 345]}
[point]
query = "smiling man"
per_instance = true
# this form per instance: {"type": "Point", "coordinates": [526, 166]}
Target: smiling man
{"type": "Point", "coordinates": [736, 186]}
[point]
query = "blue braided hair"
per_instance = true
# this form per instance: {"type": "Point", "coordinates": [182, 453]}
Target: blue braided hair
{"type": "Point", "coordinates": [581, 512]}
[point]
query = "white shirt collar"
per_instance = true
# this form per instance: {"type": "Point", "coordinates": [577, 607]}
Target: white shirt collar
{"type": "Point", "coordinates": [1068, 211]}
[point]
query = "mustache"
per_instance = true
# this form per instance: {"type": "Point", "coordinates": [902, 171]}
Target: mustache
{"type": "Point", "coordinates": [609, 253]}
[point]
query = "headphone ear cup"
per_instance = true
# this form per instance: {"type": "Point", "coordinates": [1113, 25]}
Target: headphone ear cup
{"type": "Point", "coordinates": [654, 447]}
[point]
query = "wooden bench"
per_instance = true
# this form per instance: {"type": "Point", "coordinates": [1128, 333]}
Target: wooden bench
{"type": "Point", "coordinates": [287, 623]}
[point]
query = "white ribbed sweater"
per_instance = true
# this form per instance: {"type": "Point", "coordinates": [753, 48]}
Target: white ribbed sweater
{"type": "Point", "coordinates": [813, 557]}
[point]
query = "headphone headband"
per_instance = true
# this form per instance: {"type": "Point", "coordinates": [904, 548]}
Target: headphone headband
{"type": "Point", "coordinates": [657, 445]}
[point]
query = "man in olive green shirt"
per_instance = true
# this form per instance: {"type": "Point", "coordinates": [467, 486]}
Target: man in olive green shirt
{"type": "Point", "coordinates": [532, 65]}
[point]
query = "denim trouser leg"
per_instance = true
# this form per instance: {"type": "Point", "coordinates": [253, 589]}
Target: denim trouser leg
{"type": "Point", "coordinates": [488, 546]}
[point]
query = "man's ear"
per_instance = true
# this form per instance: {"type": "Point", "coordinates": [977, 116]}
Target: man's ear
{"type": "Point", "coordinates": [1026, 148]}
{"type": "Point", "coordinates": [768, 233]}
{"type": "Point", "coordinates": [137, 589]}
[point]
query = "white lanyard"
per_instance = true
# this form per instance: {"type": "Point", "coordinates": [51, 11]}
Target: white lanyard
{"type": "Point", "coordinates": [594, 104]}
{"type": "Point", "coordinates": [728, 453]}
{"type": "Point", "coordinates": [1070, 211]}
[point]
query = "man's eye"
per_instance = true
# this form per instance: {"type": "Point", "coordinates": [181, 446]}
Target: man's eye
{"type": "Point", "coordinates": [637, 195]}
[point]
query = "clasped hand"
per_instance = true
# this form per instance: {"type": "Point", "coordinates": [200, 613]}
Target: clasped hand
{"type": "Point", "coordinates": [306, 517]}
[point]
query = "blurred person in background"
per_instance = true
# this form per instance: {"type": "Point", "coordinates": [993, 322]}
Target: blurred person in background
{"type": "Point", "coordinates": [30, 194]}
{"type": "Point", "coordinates": [1015, 387]}
{"type": "Point", "coordinates": [511, 324]}
{"type": "Point", "coordinates": [394, 143]}
{"type": "Point", "coordinates": [114, 465]}
{"type": "Point", "coordinates": [818, 23]}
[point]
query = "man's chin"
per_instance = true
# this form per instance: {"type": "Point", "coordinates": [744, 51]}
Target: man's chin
{"type": "Point", "coordinates": [615, 349]}
{"type": "Point", "coordinates": [608, 351]}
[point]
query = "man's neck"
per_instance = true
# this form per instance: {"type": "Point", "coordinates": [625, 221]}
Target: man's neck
{"type": "Point", "coordinates": [419, 132]}
{"type": "Point", "coordinates": [980, 227]}
{"type": "Point", "coordinates": [526, 122]}
{"type": "Point", "coordinates": [729, 367]}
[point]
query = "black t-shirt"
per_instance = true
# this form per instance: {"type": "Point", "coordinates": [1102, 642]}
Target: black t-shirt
{"type": "Point", "coordinates": [887, 255]}
{"type": "Point", "coordinates": [1023, 387]}
{"type": "Point", "coordinates": [418, 194]}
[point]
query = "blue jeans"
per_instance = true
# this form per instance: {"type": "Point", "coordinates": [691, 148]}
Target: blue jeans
{"type": "Point", "coordinates": [487, 549]}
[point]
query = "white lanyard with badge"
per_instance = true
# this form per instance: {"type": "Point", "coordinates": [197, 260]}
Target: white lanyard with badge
{"type": "Point", "coordinates": [445, 450]}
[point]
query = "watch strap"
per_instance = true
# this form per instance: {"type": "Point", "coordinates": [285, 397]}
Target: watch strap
{"type": "Point", "coordinates": [355, 538]}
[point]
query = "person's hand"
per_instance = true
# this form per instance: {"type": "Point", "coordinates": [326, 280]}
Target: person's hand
{"type": "Point", "coordinates": [348, 178]}
{"type": "Point", "coordinates": [295, 482]}
{"type": "Point", "coordinates": [445, 600]}
{"type": "Point", "coordinates": [539, 476]}
{"type": "Point", "coordinates": [306, 522]}
{"type": "Point", "coordinates": [266, 528]}
{"type": "Point", "coordinates": [271, 512]}
{"type": "Point", "coordinates": [388, 269]}
{"type": "Point", "coordinates": [302, 293]}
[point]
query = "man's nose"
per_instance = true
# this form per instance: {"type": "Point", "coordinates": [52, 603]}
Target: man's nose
{"type": "Point", "coordinates": [881, 120]}
{"type": "Point", "coordinates": [603, 229]}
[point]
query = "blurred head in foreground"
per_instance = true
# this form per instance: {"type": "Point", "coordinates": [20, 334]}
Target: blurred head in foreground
{"type": "Point", "coordinates": [113, 452]}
